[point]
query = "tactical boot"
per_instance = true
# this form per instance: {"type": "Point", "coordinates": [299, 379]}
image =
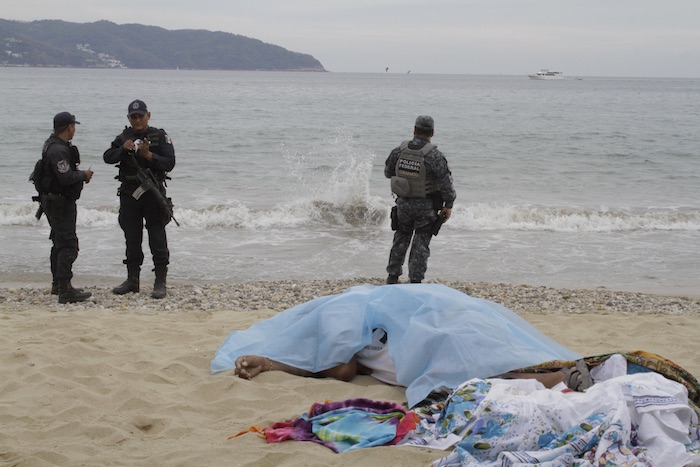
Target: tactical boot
{"type": "Point", "coordinates": [391, 279]}
{"type": "Point", "coordinates": [67, 294]}
{"type": "Point", "coordinates": [131, 284]}
{"type": "Point", "coordinates": [54, 288]}
{"type": "Point", "coordinates": [159, 290]}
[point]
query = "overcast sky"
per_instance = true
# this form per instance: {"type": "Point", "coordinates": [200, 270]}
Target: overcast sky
{"type": "Point", "coordinates": [654, 38]}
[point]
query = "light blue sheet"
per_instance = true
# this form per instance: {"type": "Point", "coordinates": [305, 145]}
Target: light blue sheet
{"type": "Point", "coordinates": [437, 336]}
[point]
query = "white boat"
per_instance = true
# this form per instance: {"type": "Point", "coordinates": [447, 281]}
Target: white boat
{"type": "Point", "coordinates": [546, 74]}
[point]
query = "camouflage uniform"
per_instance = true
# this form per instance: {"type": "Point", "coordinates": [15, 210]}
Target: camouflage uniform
{"type": "Point", "coordinates": [417, 216]}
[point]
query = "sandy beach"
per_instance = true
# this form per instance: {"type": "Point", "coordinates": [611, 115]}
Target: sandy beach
{"type": "Point", "coordinates": [126, 381]}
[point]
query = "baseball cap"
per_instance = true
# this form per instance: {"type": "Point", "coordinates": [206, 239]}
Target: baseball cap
{"type": "Point", "coordinates": [425, 122]}
{"type": "Point", "coordinates": [62, 119]}
{"type": "Point", "coordinates": [137, 107]}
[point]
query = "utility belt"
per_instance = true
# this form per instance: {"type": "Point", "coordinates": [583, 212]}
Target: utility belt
{"type": "Point", "coordinates": [53, 205]}
{"type": "Point", "coordinates": [128, 186]}
{"type": "Point", "coordinates": [435, 198]}
{"type": "Point", "coordinates": [131, 183]}
{"type": "Point", "coordinates": [135, 187]}
{"type": "Point", "coordinates": [434, 228]}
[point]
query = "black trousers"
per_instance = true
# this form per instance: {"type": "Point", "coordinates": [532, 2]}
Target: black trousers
{"type": "Point", "coordinates": [64, 238]}
{"type": "Point", "coordinates": [132, 214]}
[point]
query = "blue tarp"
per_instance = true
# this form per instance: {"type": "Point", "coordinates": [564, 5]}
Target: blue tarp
{"type": "Point", "coordinates": [437, 336]}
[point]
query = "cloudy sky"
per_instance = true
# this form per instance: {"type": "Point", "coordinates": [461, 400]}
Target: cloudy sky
{"type": "Point", "coordinates": [654, 38]}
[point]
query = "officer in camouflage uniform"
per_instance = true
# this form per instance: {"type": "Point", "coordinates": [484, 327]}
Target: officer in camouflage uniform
{"type": "Point", "coordinates": [153, 151]}
{"type": "Point", "coordinates": [62, 184]}
{"type": "Point", "coordinates": [422, 183]}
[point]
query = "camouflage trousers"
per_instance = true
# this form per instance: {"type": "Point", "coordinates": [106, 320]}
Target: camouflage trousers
{"type": "Point", "coordinates": [414, 229]}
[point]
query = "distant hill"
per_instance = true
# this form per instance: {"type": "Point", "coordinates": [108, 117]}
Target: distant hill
{"type": "Point", "coordinates": [104, 44]}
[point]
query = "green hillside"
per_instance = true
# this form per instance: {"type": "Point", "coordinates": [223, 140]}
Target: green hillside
{"type": "Point", "coordinates": [104, 44]}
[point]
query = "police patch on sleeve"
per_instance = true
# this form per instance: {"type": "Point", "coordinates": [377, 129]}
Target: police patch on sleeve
{"type": "Point", "coordinates": [63, 166]}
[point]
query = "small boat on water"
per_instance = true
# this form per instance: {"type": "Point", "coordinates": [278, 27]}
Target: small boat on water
{"type": "Point", "coordinates": [546, 74]}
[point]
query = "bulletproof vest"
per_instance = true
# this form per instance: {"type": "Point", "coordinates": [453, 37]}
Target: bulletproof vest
{"type": "Point", "coordinates": [153, 136]}
{"type": "Point", "coordinates": [49, 181]}
{"type": "Point", "coordinates": [410, 180]}
{"type": "Point", "coordinates": [44, 181]}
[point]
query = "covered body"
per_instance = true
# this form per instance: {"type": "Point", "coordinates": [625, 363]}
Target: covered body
{"type": "Point", "coordinates": [437, 336]}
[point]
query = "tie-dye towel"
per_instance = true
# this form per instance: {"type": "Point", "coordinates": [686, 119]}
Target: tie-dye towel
{"type": "Point", "coordinates": [345, 425]}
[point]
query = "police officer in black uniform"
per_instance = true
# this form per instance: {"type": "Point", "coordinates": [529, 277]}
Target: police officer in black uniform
{"type": "Point", "coordinates": [422, 183]}
{"type": "Point", "coordinates": [62, 184]}
{"type": "Point", "coordinates": [150, 148]}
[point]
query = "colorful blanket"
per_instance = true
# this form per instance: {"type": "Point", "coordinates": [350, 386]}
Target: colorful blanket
{"type": "Point", "coordinates": [638, 414]}
{"type": "Point", "coordinates": [639, 419]}
{"type": "Point", "coordinates": [639, 361]}
{"type": "Point", "coordinates": [345, 425]}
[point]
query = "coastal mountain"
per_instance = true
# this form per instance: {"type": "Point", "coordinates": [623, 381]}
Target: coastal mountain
{"type": "Point", "coordinates": [103, 44]}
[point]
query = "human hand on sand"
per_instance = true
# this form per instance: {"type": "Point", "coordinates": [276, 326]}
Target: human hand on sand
{"type": "Point", "coordinates": [249, 366]}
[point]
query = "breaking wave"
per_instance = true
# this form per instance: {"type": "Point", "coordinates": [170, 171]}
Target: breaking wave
{"type": "Point", "coordinates": [373, 212]}
{"type": "Point", "coordinates": [568, 219]}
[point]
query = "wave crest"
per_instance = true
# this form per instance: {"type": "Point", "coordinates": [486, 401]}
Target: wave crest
{"type": "Point", "coordinates": [373, 212]}
{"type": "Point", "coordinates": [568, 219]}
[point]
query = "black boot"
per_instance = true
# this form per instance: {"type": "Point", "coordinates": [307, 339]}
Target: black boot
{"type": "Point", "coordinates": [131, 284]}
{"type": "Point", "coordinates": [67, 294]}
{"type": "Point", "coordinates": [54, 288]}
{"type": "Point", "coordinates": [159, 290]}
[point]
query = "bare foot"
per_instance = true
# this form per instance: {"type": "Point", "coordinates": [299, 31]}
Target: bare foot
{"type": "Point", "coordinates": [249, 366]}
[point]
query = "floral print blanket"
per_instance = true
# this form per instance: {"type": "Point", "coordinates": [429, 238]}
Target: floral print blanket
{"type": "Point", "coordinates": [640, 419]}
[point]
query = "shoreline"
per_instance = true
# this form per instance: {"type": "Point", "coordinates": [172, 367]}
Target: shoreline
{"type": "Point", "coordinates": [40, 280]}
{"type": "Point", "coordinates": [282, 294]}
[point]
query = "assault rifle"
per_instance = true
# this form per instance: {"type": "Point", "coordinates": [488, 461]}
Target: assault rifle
{"type": "Point", "coordinates": [149, 182]}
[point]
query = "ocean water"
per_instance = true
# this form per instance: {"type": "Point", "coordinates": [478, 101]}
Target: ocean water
{"type": "Point", "coordinates": [580, 183]}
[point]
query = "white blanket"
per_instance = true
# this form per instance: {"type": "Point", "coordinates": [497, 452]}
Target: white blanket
{"type": "Point", "coordinates": [641, 419]}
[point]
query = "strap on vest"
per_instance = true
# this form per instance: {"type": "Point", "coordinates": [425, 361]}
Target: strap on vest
{"type": "Point", "coordinates": [424, 150]}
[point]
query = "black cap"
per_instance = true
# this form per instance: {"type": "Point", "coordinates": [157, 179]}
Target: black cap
{"type": "Point", "coordinates": [425, 122]}
{"type": "Point", "coordinates": [137, 107]}
{"type": "Point", "coordinates": [64, 119]}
